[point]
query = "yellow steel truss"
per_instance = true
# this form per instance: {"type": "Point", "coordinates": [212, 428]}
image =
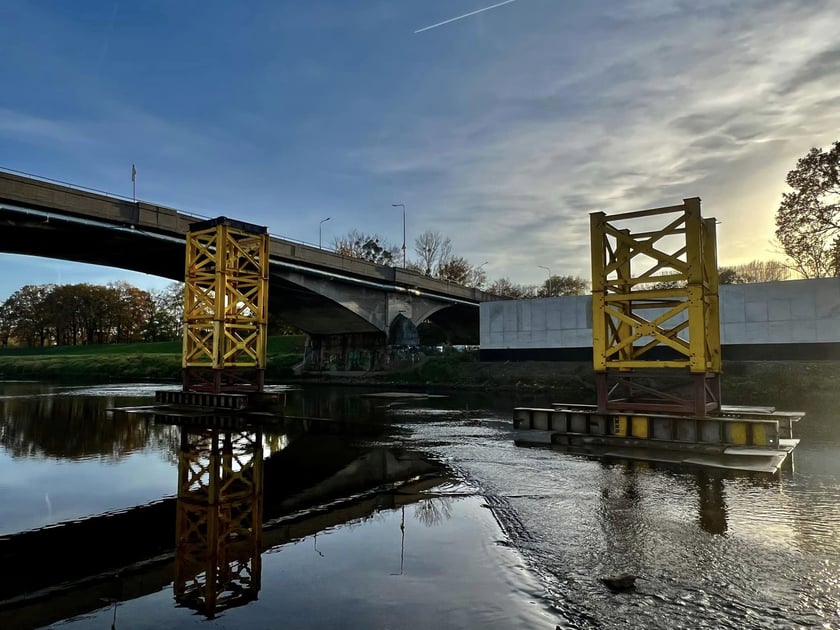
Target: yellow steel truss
{"type": "Point", "coordinates": [631, 316]}
{"type": "Point", "coordinates": [225, 296]}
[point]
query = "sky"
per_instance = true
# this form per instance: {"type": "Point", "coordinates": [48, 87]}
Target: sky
{"type": "Point", "coordinates": [502, 130]}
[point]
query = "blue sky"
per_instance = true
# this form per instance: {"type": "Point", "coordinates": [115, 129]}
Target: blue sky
{"type": "Point", "coordinates": [502, 130]}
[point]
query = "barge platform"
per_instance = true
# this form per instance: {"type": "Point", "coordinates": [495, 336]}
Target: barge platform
{"type": "Point", "coordinates": [757, 439]}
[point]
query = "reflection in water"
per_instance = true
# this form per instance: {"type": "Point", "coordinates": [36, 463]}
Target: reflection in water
{"type": "Point", "coordinates": [711, 549]}
{"type": "Point", "coordinates": [713, 512]}
{"type": "Point", "coordinates": [433, 510]}
{"type": "Point", "coordinates": [218, 519]}
{"type": "Point", "coordinates": [430, 512]}
{"type": "Point", "coordinates": [75, 428]}
{"type": "Point", "coordinates": [402, 540]}
{"type": "Point", "coordinates": [622, 518]}
{"type": "Point", "coordinates": [623, 509]}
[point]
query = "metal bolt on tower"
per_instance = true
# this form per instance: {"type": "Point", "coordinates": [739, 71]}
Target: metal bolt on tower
{"type": "Point", "coordinates": [225, 306]}
{"type": "Point", "coordinates": [655, 311]}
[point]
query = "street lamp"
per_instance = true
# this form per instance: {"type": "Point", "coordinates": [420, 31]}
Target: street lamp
{"type": "Point", "coordinates": [319, 230]}
{"type": "Point", "coordinates": [397, 205]}
{"type": "Point", "coordinates": [549, 278]}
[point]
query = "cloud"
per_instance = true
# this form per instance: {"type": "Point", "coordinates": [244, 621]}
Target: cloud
{"type": "Point", "coordinates": [504, 135]}
{"type": "Point", "coordinates": [821, 68]}
{"type": "Point", "coordinates": [41, 130]}
{"type": "Point", "coordinates": [676, 103]}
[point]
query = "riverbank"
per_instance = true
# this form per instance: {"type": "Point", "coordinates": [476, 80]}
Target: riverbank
{"type": "Point", "coordinates": [743, 382]}
{"type": "Point", "coordinates": [779, 383]}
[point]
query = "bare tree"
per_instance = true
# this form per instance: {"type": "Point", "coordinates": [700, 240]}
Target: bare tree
{"type": "Point", "coordinates": [432, 249]}
{"type": "Point", "coordinates": [761, 271]}
{"type": "Point", "coordinates": [477, 277]}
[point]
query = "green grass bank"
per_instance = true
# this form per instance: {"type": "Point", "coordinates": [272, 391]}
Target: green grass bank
{"type": "Point", "coordinates": [127, 361]}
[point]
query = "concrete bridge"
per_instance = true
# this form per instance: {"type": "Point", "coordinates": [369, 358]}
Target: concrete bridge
{"type": "Point", "coordinates": [353, 311]}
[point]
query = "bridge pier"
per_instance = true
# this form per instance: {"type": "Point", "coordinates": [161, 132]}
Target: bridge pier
{"type": "Point", "coordinates": [345, 352]}
{"type": "Point", "coordinates": [368, 351]}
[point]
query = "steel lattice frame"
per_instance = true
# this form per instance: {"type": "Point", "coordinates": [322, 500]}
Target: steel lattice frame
{"type": "Point", "coordinates": [218, 519]}
{"type": "Point", "coordinates": [634, 321]}
{"type": "Point", "coordinates": [225, 306]}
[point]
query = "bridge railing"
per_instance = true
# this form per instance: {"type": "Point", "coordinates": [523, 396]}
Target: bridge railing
{"type": "Point", "coordinates": [24, 188]}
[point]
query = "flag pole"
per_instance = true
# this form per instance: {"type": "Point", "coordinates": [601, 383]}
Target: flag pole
{"type": "Point", "coordinates": [133, 183]}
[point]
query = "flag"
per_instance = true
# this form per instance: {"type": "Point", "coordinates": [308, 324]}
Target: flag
{"type": "Point", "coordinates": [133, 173]}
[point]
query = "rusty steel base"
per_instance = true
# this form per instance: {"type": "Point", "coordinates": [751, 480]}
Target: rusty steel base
{"type": "Point", "coordinates": [658, 392]}
{"type": "Point", "coordinates": [220, 381]}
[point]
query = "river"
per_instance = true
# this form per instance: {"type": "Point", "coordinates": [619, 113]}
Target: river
{"type": "Point", "coordinates": [389, 512]}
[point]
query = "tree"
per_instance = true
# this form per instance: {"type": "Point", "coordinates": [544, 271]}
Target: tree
{"type": "Point", "coordinates": [727, 275]}
{"type": "Point", "coordinates": [660, 285]}
{"type": "Point", "coordinates": [503, 287]}
{"type": "Point", "coordinates": [62, 308]}
{"type": "Point", "coordinates": [28, 313]}
{"type": "Point", "coordinates": [130, 311]}
{"type": "Point", "coordinates": [69, 314]}
{"type": "Point", "coordinates": [455, 270]}
{"type": "Point", "coordinates": [370, 247]}
{"type": "Point", "coordinates": [432, 249]}
{"type": "Point", "coordinates": [477, 277]}
{"type": "Point", "coordinates": [165, 322]}
{"type": "Point", "coordinates": [5, 324]}
{"type": "Point", "coordinates": [808, 219]}
{"type": "Point", "coordinates": [757, 271]}
{"type": "Point", "coordinates": [563, 285]}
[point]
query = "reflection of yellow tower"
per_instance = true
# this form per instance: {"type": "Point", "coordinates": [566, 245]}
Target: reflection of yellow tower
{"type": "Point", "coordinates": [219, 519]}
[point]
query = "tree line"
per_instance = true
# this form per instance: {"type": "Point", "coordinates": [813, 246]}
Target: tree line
{"type": "Point", "coordinates": [74, 314]}
{"type": "Point", "coordinates": [434, 257]}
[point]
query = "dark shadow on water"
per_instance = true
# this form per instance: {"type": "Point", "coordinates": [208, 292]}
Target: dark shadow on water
{"type": "Point", "coordinates": [239, 492]}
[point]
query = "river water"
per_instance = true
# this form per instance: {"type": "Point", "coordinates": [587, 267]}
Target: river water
{"type": "Point", "coordinates": [389, 512]}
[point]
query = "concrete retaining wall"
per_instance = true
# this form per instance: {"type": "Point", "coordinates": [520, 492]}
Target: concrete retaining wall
{"type": "Point", "coordinates": [785, 320]}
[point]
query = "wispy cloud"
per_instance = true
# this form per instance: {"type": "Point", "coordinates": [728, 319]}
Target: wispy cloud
{"type": "Point", "coordinates": [42, 130]}
{"type": "Point", "coordinates": [504, 138]}
{"type": "Point", "coordinates": [668, 107]}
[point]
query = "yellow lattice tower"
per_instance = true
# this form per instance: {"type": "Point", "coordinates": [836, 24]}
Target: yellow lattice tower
{"type": "Point", "coordinates": [225, 306]}
{"type": "Point", "coordinates": [218, 519]}
{"type": "Point", "coordinates": [655, 306]}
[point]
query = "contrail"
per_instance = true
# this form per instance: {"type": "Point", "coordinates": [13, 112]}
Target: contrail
{"type": "Point", "coordinates": [461, 17]}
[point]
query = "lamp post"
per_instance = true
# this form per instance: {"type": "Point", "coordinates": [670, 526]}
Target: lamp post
{"type": "Point", "coordinates": [397, 205]}
{"type": "Point", "coordinates": [549, 278]}
{"type": "Point", "coordinates": [319, 230]}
